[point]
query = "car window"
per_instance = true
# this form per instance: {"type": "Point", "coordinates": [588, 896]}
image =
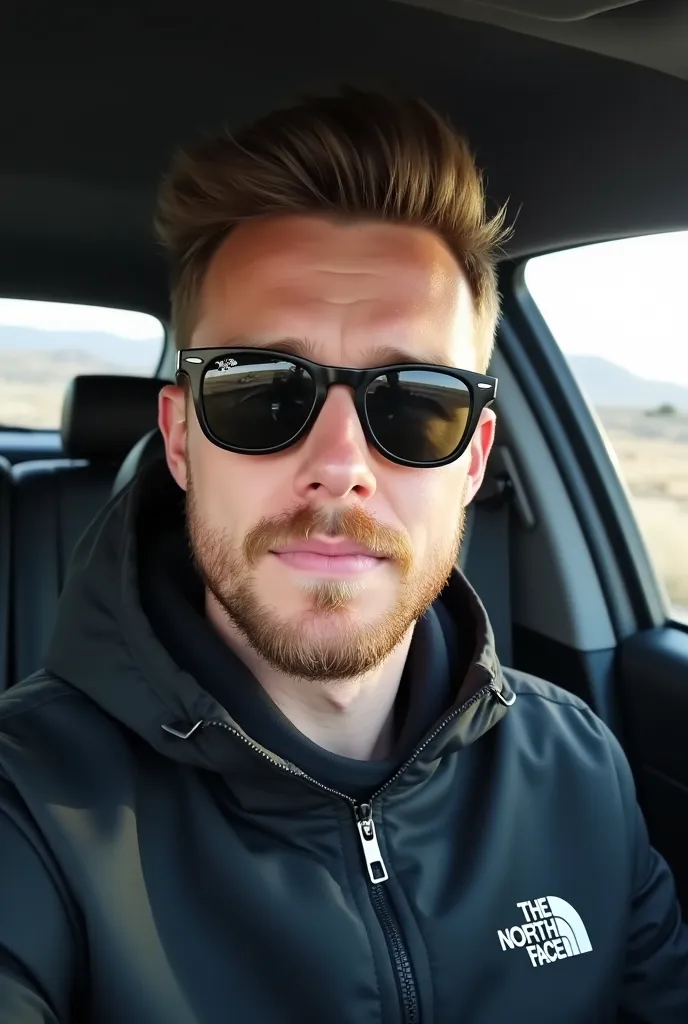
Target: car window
{"type": "Point", "coordinates": [617, 309]}
{"type": "Point", "coordinates": [43, 345]}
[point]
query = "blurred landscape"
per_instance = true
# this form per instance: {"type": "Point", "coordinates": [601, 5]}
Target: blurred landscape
{"type": "Point", "coordinates": [36, 366]}
{"type": "Point", "coordinates": [652, 453]}
{"type": "Point", "coordinates": [32, 384]}
{"type": "Point", "coordinates": [646, 422]}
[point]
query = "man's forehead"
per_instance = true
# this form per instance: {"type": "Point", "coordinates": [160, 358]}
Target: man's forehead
{"type": "Point", "coordinates": [351, 259]}
{"type": "Point", "coordinates": [307, 278]}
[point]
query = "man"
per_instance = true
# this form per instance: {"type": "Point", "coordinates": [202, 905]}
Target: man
{"type": "Point", "coordinates": [285, 780]}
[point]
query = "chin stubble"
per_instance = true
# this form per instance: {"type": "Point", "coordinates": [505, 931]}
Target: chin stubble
{"type": "Point", "coordinates": [300, 649]}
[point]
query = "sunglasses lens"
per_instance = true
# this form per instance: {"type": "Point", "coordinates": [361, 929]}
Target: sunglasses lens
{"type": "Point", "coordinates": [255, 403]}
{"type": "Point", "coordinates": [418, 415]}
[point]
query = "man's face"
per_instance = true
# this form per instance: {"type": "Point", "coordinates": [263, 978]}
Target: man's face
{"type": "Point", "coordinates": [344, 290]}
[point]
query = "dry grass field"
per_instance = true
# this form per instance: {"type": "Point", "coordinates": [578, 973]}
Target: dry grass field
{"type": "Point", "coordinates": [33, 383]}
{"type": "Point", "coordinates": [31, 405]}
{"type": "Point", "coordinates": [652, 453]}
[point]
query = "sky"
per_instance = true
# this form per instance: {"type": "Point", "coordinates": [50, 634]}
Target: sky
{"type": "Point", "coordinates": [624, 301]}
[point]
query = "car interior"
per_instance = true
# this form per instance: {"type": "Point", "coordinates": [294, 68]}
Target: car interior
{"type": "Point", "coordinates": [576, 110]}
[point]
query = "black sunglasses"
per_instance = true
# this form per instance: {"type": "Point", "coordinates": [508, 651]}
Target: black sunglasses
{"type": "Point", "coordinates": [257, 401]}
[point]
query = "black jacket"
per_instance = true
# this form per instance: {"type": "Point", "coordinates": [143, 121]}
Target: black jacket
{"type": "Point", "coordinates": [159, 866]}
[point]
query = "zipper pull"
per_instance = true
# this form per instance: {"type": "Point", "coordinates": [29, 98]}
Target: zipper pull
{"type": "Point", "coordinates": [377, 871]}
{"type": "Point", "coordinates": [182, 730]}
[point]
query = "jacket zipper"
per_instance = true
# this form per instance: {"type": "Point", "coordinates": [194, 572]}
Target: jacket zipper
{"type": "Point", "coordinates": [363, 813]}
{"type": "Point", "coordinates": [377, 872]}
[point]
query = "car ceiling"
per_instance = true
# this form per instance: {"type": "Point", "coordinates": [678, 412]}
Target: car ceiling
{"type": "Point", "coordinates": [583, 145]}
{"type": "Point", "coordinates": [651, 33]}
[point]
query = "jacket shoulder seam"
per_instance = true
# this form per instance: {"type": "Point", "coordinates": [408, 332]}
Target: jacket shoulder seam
{"type": "Point", "coordinates": [41, 702]}
{"type": "Point", "coordinates": [575, 703]}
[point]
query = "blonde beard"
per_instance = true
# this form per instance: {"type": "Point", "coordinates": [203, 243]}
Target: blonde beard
{"type": "Point", "coordinates": [296, 648]}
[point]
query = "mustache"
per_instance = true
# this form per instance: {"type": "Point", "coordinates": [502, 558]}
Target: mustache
{"type": "Point", "coordinates": [355, 523]}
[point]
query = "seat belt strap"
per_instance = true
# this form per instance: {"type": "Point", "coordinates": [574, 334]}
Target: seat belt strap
{"type": "Point", "coordinates": [487, 566]}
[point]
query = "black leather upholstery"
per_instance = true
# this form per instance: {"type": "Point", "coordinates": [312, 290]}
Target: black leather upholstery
{"type": "Point", "coordinates": [55, 500]}
{"type": "Point", "coordinates": [102, 417]}
{"type": "Point", "coordinates": [5, 569]}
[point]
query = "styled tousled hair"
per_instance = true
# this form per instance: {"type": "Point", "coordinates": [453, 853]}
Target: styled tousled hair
{"type": "Point", "coordinates": [353, 156]}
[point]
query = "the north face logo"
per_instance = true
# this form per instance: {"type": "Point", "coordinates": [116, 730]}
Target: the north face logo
{"type": "Point", "coordinates": [551, 930]}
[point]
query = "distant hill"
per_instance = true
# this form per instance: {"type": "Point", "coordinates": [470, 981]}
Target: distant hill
{"type": "Point", "coordinates": [606, 384]}
{"type": "Point", "coordinates": [141, 356]}
{"type": "Point", "coordinates": [34, 367]}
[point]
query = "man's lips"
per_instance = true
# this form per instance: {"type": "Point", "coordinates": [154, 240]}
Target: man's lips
{"type": "Point", "coordinates": [329, 558]}
{"type": "Point", "coordinates": [333, 549]}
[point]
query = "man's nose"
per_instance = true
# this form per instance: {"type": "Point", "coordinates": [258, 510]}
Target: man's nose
{"type": "Point", "coordinates": [335, 458]}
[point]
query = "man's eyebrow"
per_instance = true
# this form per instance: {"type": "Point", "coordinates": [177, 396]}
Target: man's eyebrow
{"type": "Point", "coordinates": [384, 354]}
{"type": "Point", "coordinates": [381, 355]}
{"type": "Point", "coordinates": [289, 346]}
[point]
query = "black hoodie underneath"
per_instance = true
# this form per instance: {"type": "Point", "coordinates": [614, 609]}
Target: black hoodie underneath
{"type": "Point", "coordinates": [161, 863]}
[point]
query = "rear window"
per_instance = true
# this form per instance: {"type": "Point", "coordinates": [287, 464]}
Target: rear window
{"type": "Point", "coordinates": [43, 345]}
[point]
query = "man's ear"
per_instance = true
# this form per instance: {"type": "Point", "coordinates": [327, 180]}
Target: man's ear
{"type": "Point", "coordinates": [480, 448]}
{"type": "Point", "coordinates": [172, 423]}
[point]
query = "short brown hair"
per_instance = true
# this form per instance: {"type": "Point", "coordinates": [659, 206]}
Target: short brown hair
{"type": "Point", "coordinates": [355, 155]}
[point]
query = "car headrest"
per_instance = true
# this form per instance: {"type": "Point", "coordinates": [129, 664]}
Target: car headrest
{"type": "Point", "coordinates": [103, 416]}
{"type": "Point", "coordinates": [149, 448]}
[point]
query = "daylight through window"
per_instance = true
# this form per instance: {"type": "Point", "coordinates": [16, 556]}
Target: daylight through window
{"type": "Point", "coordinates": [617, 311]}
{"type": "Point", "coordinates": [43, 345]}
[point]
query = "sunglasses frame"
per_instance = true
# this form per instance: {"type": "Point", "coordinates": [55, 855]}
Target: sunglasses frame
{"type": "Point", "coordinates": [194, 363]}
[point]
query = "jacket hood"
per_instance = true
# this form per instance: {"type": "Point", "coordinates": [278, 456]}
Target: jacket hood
{"type": "Point", "coordinates": [104, 645]}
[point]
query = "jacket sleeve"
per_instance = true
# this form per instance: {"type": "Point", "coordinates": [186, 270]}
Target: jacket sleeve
{"type": "Point", "coordinates": [654, 987]}
{"type": "Point", "coordinates": [37, 938]}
